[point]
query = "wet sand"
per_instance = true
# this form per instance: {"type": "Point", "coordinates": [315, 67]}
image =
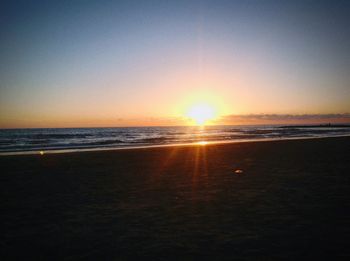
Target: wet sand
{"type": "Point", "coordinates": [291, 202]}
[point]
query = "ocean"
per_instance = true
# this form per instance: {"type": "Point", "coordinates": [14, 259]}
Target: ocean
{"type": "Point", "coordinates": [77, 139]}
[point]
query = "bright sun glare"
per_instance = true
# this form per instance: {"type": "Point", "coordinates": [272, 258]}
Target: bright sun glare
{"type": "Point", "coordinates": [201, 113]}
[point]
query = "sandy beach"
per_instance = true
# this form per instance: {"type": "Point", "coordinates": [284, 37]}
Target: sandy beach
{"type": "Point", "coordinates": [290, 201]}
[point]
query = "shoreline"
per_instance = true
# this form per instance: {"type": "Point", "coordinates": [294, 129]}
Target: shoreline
{"type": "Point", "coordinates": [200, 143]}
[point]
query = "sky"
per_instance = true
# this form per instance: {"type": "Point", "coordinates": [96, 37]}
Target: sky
{"type": "Point", "coordinates": [137, 63]}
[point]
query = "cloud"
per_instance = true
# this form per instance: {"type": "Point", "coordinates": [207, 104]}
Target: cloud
{"type": "Point", "coordinates": [335, 117]}
{"type": "Point", "coordinates": [235, 119]}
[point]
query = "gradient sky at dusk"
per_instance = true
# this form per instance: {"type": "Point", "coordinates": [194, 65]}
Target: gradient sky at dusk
{"type": "Point", "coordinates": [117, 63]}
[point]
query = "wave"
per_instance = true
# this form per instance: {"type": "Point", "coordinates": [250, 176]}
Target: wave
{"type": "Point", "coordinates": [51, 139]}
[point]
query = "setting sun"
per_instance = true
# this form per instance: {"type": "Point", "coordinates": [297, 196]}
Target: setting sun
{"type": "Point", "coordinates": [189, 129]}
{"type": "Point", "coordinates": [201, 113]}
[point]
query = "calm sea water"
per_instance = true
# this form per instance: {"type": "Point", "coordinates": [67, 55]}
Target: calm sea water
{"type": "Point", "coordinates": [34, 140]}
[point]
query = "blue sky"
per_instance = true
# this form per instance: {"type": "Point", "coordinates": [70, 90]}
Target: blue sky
{"type": "Point", "coordinates": [94, 63]}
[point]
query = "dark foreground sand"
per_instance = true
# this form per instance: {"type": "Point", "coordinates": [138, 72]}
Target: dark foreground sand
{"type": "Point", "coordinates": [180, 203]}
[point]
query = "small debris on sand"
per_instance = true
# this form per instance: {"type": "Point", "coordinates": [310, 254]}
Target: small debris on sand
{"type": "Point", "coordinates": [238, 171]}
